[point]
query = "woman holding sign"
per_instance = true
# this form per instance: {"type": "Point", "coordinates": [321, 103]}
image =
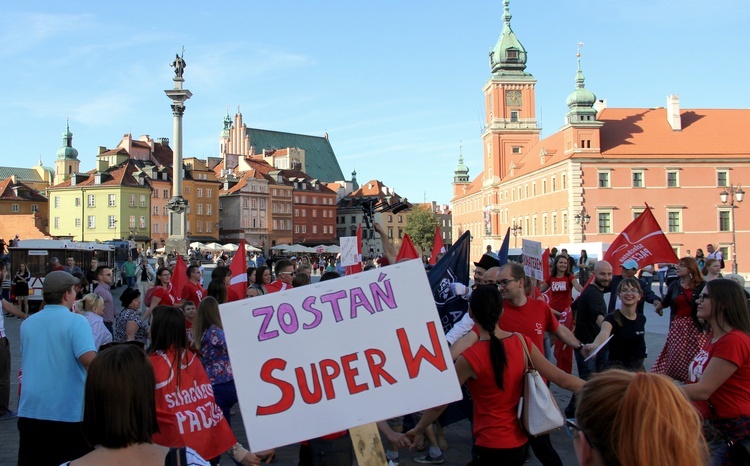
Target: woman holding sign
{"type": "Point", "coordinates": [627, 329]}
{"type": "Point", "coordinates": [493, 368]}
{"type": "Point", "coordinates": [178, 371]}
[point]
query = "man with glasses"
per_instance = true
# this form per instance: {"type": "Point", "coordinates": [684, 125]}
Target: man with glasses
{"type": "Point", "coordinates": [104, 277]}
{"type": "Point", "coordinates": [284, 276]}
{"type": "Point", "coordinates": [58, 347]}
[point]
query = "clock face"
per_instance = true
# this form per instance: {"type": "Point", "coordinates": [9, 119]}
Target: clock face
{"type": "Point", "coordinates": [513, 98]}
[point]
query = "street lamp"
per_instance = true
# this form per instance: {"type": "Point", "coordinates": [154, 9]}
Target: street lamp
{"type": "Point", "coordinates": [582, 218]}
{"type": "Point", "coordinates": [734, 193]}
{"type": "Point", "coordinates": [516, 230]}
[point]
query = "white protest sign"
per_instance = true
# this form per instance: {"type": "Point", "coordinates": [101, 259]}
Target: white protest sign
{"type": "Point", "coordinates": [349, 251]}
{"type": "Point", "coordinates": [337, 354]}
{"type": "Point", "coordinates": [532, 259]}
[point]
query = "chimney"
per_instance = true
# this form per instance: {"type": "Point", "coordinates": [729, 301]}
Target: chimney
{"type": "Point", "coordinates": [102, 149]}
{"type": "Point", "coordinates": [101, 164]}
{"type": "Point", "coordinates": [600, 105]}
{"type": "Point", "coordinates": [673, 112]}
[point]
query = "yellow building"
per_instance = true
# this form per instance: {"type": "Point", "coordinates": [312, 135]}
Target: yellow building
{"type": "Point", "coordinates": [103, 204]}
{"type": "Point", "coordinates": [201, 189]}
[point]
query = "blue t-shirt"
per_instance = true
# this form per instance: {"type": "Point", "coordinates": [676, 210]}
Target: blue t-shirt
{"type": "Point", "coordinates": [53, 381]}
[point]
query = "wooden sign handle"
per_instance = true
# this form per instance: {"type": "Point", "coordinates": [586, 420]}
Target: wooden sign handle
{"type": "Point", "coordinates": [367, 445]}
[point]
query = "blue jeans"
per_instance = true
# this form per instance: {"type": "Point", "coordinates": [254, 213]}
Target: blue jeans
{"type": "Point", "coordinates": [130, 281]}
{"type": "Point", "coordinates": [585, 369]}
{"type": "Point", "coordinates": [226, 397]}
{"type": "Point", "coordinates": [662, 279]}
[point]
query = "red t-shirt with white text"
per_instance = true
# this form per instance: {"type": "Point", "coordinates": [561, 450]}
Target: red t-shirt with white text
{"type": "Point", "coordinates": [560, 292]}
{"type": "Point", "coordinates": [732, 398]}
{"type": "Point", "coordinates": [193, 292]}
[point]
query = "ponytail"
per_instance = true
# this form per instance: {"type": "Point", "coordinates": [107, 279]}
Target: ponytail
{"type": "Point", "coordinates": [498, 358]}
{"type": "Point", "coordinates": [486, 309]}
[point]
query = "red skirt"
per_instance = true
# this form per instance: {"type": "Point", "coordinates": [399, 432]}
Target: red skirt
{"type": "Point", "coordinates": [684, 341]}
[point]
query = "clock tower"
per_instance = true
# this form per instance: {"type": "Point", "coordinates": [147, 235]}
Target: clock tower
{"type": "Point", "coordinates": [510, 120]}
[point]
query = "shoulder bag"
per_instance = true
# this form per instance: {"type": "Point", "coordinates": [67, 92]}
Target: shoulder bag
{"type": "Point", "coordinates": [539, 413]}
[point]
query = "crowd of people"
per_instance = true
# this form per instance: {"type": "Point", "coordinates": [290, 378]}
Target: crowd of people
{"type": "Point", "coordinates": [692, 408]}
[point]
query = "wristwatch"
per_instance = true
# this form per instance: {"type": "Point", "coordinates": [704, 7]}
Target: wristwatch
{"type": "Point", "coordinates": [581, 347]}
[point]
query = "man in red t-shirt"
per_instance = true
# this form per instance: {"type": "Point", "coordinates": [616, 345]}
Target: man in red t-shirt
{"type": "Point", "coordinates": [193, 291]}
{"type": "Point", "coordinates": [284, 275]}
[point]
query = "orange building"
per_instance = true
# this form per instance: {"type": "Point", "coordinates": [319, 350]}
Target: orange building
{"type": "Point", "coordinates": [590, 179]}
{"type": "Point", "coordinates": [29, 210]}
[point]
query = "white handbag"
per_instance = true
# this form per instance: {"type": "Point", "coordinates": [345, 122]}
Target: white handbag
{"type": "Point", "coordinates": [539, 412]}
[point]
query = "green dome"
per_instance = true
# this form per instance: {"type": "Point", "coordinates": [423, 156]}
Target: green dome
{"type": "Point", "coordinates": [508, 54]}
{"type": "Point", "coordinates": [67, 151]}
{"type": "Point", "coordinates": [461, 173]}
{"type": "Point", "coordinates": [227, 126]}
{"type": "Point", "coordinates": [581, 97]}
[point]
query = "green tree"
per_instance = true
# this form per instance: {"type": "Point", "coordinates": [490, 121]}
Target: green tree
{"type": "Point", "coordinates": [420, 226]}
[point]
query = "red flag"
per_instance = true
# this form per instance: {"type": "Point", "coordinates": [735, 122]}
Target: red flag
{"type": "Point", "coordinates": [437, 245]}
{"type": "Point", "coordinates": [179, 277]}
{"type": "Point", "coordinates": [545, 261]}
{"type": "Point", "coordinates": [407, 251]}
{"type": "Point", "coordinates": [356, 268]}
{"type": "Point", "coordinates": [238, 267]}
{"type": "Point", "coordinates": [643, 241]}
{"type": "Point", "coordinates": [209, 438]}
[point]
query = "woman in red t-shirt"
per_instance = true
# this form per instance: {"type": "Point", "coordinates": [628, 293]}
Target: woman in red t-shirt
{"type": "Point", "coordinates": [686, 336]}
{"type": "Point", "coordinates": [493, 369]}
{"type": "Point", "coordinates": [162, 292]}
{"type": "Point", "coordinates": [720, 373]}
{"type": "Point", "coordinates": [560, 284]}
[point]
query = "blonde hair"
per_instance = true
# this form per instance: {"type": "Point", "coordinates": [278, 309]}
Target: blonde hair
{"type": "Point", "coordinates": [639, 418]}
{"type": "Point", "coordinates": [89, 302]}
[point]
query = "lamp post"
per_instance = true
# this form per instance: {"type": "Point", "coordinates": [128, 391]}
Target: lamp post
{"type": "Point", "coordinates": [516, 230]}
{"type": "Point", "coordinates": [733, 193]}
{"type": "Point", "coordinates": [582, 218]}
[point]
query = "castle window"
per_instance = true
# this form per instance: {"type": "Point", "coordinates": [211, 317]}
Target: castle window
{"type": "Point", "coordinates": [514, 116]}
{"type": "Point", "coordinates": [511, 54]}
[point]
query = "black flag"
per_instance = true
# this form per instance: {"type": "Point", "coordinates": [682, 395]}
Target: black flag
{"type": "Point", "coordinates": [452, 267]}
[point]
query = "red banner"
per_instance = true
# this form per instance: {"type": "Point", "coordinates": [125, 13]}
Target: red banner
{"type": "Point", "coordinates": [407, 251]}
{"type": "Point", "coordinates": [188, 414]}
{"type": "Point", "coordinates": [179, 278]}
{"type": "Point", "coordinates": [643, 241]}
{"type": "Point", "coordinates": [437, 245]}
{"type": "Point", "coordinates": [238, 267]}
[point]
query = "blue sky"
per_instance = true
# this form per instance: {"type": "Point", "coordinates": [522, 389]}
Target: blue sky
{"type": "Point", "coordinates": [396, 84]}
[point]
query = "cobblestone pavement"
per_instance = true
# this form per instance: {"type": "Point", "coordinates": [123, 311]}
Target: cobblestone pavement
{"type": "Point", "coordinates": [458, 435]}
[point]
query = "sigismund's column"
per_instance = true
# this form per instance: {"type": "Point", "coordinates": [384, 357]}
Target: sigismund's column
{"type": "Point", "coordinates": [177, 205]}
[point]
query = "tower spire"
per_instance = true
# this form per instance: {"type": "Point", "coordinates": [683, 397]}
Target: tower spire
{"type": "Point", "coordinates": [581, 101]}
{"type": "Point", "coordinates": [461, 173]}
{"type": "Point", "coordinates": [508, 56]}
